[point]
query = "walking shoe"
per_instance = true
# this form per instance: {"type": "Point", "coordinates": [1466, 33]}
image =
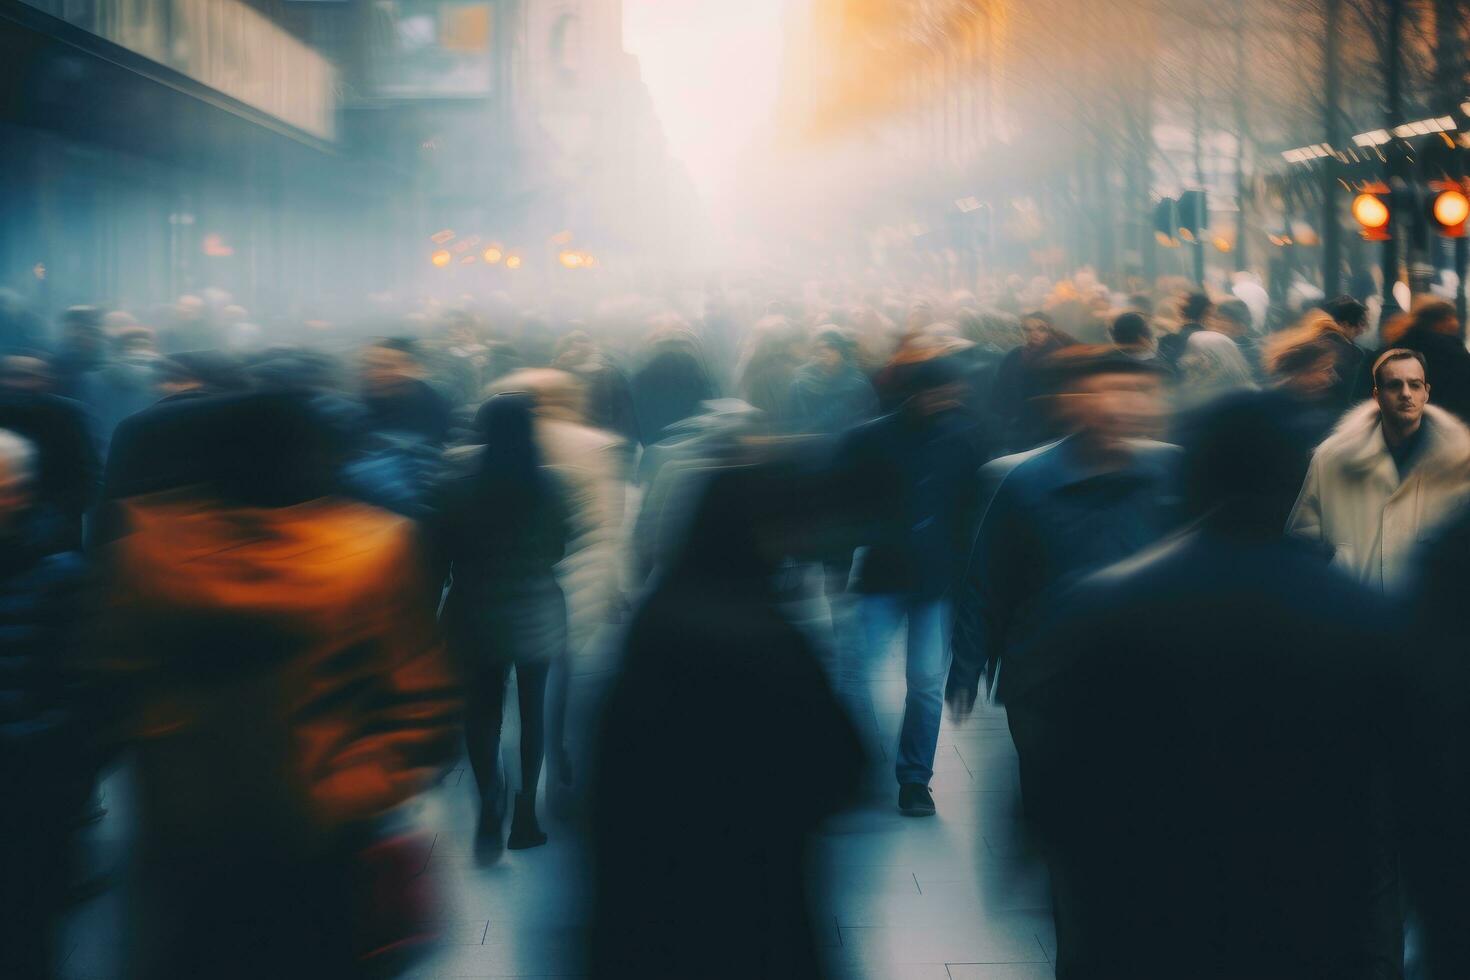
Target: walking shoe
{"type": "Point", "coordinates": [914, 800]}
{"type": "Point", "coordinates": [489, 842]}
{"type": "Point", "coordinates": [525, 832]}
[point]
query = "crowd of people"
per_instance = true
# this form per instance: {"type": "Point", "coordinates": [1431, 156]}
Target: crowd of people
{"type": "Point", "coordinates": [1208, 557]}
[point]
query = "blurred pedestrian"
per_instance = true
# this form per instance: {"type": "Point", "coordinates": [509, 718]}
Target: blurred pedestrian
{"type": "Point", "coordinates": [397, 394]}
{"type": "Point", "coordinates": [1211, 365]}
{"type": "Point", "coordinates": [1176, 702]}
{"type": "Point", "coordinates": [47, 759]}
{"type": "Point", "coordinates": [1433, 778]}
{"type": "Point", "coordinates": [1096, 497]}
{"type": "Point", "coordinates": [609, 396]}
{"type": "Point", "coordinates": [270, 652]}
{"type": "Point", "coordinates": [1346, 322]}
{"type": "Point", "coordinates": [829, 394]}
{"type": "Point", "coordinates": [1132, 335]}
{"type": "Point", "coordinates": [1233, 319]}
{"type": "Point", "coordinates": [80, 353]}
{"type": "Point", "coordinates": [1018, 383]}
{"type": "Point", "coordinates": [912, 475]}
{"type": "Point", "coordinates": [719, 692]}
{"type": "Point", "coordinates": [670, 386]}
{"type": "Point", "coordinates": [67, 470]}
{"type": "Point", "coordinates": [1192, 312]}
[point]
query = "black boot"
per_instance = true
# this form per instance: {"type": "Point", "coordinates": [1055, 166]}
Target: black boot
{"type": "Point", "coordinates": [525, 832]}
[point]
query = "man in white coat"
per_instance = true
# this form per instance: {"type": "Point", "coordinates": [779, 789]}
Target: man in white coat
{"type": "Point", "coordinates": [1389, 473]}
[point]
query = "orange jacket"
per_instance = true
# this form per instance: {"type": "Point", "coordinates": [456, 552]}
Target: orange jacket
{"type": "Point", "coordinates": [283, 669]}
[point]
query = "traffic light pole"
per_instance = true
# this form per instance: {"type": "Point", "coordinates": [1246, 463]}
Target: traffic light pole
{"type": "Point", "coordinates": [1331, 223]}
{"type": "Point", "coordinates": [1392, 71]}
{"type": "Point", "coordinates": [1462, 258]}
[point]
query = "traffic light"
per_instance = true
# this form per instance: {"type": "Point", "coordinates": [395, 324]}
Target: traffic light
{"type": "Point", "coordinates": [1373, 213]}
{"type": "Point", "coordinates": [1166, 222]}
{"type": "Point", "coordinates": [1194, 215]}
{"type": "Point", "coordinates": [1449, 209]}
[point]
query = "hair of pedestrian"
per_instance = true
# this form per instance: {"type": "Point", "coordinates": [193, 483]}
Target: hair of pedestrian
{"type": "Point", "coordinates": [1348, 311]}
{"type": "Point", "coordinates": [1195, 306]}
{"type": "Point", "coordinates": [1398, 354]}
{"type": "Point", "coordinates": [1129, 328]}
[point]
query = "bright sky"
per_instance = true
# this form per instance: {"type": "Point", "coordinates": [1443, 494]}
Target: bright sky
{"type": "Point", "coordinates": [712, 68]}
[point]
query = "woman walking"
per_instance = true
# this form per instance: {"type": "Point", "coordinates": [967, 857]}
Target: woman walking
{"type": "Point", "coordinates": [502, 529]}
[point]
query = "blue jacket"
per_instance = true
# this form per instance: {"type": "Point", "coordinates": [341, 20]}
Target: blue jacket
{"type": "Point", "coordinates": [1050, 523]}
{"type": "Point", "coordinates": [916, 486]}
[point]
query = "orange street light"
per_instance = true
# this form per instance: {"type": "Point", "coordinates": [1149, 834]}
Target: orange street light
{"type": "Point", "coordinates": [1373, 214]}
{"type": "Point", "coordinates": [1450, 210]}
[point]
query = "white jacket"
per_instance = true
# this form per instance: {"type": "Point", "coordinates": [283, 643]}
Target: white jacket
{"type": "Point", "coordinates": [1353, 501]}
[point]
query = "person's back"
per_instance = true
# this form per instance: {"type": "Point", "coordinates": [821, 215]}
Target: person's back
{"type": "Point", "coordinates": [68, 477]}
{"type": "Point", "coordinates": [47, 762]}
{"type": "Point", "coordinates": [1434, 780]}
{"type": "Point", "coordinates": [723, 696]}
{"type": "Point", "coordinates": [1210, 740]}
{"type": "Point", "coordinates": [274, 652]}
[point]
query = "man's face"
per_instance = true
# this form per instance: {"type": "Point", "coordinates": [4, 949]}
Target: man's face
{"type": "Point", "coordinates": [384, 370]}
{"type": "Point", "coordinates": [1113, 407]}
{"type": "Point", "coordinates": [1354, 330]}
{"type": "Point", "coordinates": [1036, 333]}
{"type": "Point", "coordinates": [1402, 391]}
{"type": "Point", "coordinates": [827, 358]}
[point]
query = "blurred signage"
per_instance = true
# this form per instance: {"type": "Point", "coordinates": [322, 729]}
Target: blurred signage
{"type": "Point", "coordinates": [433, 49]}
{"type": "Point", "coordinates": [223, 44]}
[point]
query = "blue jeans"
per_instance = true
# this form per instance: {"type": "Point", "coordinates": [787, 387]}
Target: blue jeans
{"type": "Point", "coordinates": [926, 666]}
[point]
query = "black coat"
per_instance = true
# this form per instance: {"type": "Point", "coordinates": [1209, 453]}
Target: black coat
{"type": "Point", "coordinates": [1435, 776]}
{"type": "Point", "coordinates": [914, 487]}
{"type": "Point", "coordinates": [1205, 748]}
{"type": "Point", "coordinates": [43, 742]}
{"type": "Point", "coordinates": [60, 430]}
{"type": "Point", "coordinates": [721, 749]}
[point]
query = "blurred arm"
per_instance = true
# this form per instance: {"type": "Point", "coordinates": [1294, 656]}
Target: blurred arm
{"type": "Point", "coordinates": [410, 728]}
{"type": "Point", "coordinates": [1305, 521]}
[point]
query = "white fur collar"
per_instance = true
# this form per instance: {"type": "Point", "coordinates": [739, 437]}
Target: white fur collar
{"type": "Point", "coordinates": [1358, 440]}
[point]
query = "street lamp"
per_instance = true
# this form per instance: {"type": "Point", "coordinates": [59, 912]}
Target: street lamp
{"type": "Point", "coordinates": [1373, 215]}
{"type": "Point", "coordinates": [1450, 208]}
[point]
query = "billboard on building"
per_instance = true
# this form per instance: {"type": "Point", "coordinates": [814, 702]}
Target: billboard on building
{"type": "Point", "coordinates": [433, 49]}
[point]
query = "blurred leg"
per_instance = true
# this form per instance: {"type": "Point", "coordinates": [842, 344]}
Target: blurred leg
{"type": "Point", "coordinates": [927, 666]}
{"type": "Point", "coordinates": [525, 830]}
{"type": "Point", "coordinates": [878, 619]}
{"type": "Point", "coordinates": [484, 713]}
{"type": "Point", "coordinates": [531, 685]}
{"type": "Point", "coordinates": [558, 691]}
